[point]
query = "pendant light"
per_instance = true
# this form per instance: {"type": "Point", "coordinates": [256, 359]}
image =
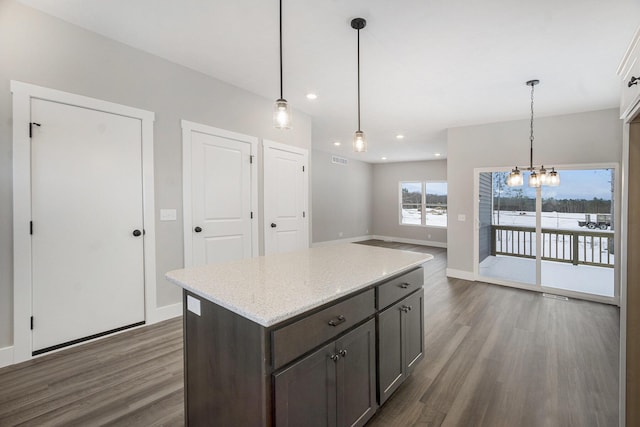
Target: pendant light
{"type": "Point", "coordinates": [281, 109]}
{"type": "Point", "coordinates": [359, 140]}
{"type": "Point", "coordinates": [537, 176]}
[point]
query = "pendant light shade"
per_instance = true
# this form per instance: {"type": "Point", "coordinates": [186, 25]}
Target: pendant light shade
{"type": "Point", "coordinates": [359, 140]}
{"type": "Point", "coordinates": [537, 177]}
{"type": "Point", "coordinates": [281, 109]}
{"type": "Point", "coordinates": [281, 114]}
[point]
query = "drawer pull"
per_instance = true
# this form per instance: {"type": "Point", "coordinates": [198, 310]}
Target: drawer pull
{"type": "Point", "coordinates": [338, 320]}
{"type": "Point", "coordinates": [633, 81]}
{"type": "Point", "coordinates": [404, 285]}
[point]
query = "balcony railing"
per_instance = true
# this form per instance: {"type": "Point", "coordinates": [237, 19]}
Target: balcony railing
{"type": "Point", "coordinates": [570, 246]}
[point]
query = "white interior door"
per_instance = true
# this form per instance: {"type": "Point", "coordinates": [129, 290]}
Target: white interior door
{"type": "Point", "coordinates": [285, 198]}
{"type": "Point", "coordinates": [86, 190]}
{"type": "Point", "coordinates": [220, 224]}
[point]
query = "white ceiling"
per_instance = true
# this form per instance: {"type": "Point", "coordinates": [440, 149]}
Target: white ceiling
{"type": "Point", "coordinates": [426, 65]}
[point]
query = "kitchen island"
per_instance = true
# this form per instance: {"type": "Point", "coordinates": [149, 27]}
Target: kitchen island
{"type": "Point", "coordinates": [320, 336]}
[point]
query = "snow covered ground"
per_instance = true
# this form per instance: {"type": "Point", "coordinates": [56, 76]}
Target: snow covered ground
{"type": "Point", "coordinates": [434, 218]}
{"type": "Point", "coordinates": [559, 221]}
{"type": "Point", "coordinates": [579, 278]}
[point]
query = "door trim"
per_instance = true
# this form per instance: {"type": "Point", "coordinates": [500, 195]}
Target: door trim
{"type": "Point", "coordinates": [22, 280]}
{"type": "Point", "coordinates": [268, 144]}
{"type": "Point", "coordinates": [187, 128]}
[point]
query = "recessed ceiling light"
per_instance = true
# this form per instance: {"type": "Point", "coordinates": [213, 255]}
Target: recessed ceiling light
{"type": "Point", "coordinates": [400, 136]}
{"type": "Point", "coordinates": [437, 154]}
{"type": "Point", "coordinates": [311, 96]}
{"type": "Point", "coordinates": [384, 158]}
{"type": "Point", "coordinates": [337, 143]}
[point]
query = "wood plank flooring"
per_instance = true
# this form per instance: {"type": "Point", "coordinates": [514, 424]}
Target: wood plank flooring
{"type": "Point", "coordinates": [494, 356]}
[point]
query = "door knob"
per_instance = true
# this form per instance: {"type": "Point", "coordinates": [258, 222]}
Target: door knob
{"type": "Point", "coordinates": [197, 229]}
{"type": "Point", "coordinates": [137, 233]}
{"type": "Point", "coordinates": [273, 225]}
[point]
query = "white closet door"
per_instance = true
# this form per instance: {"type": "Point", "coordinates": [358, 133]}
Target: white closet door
{"type": "Point", "coordinates": [87, 263]}
{"type": "Point", "coordinates": [221, 199]}
{"type": "Point", "coordinates": [285, 199]}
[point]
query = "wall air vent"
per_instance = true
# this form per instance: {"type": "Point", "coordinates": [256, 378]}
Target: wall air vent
{"type": "Point", "coordinates": [339, 160]}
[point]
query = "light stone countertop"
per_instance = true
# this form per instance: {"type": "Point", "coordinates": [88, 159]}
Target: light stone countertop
{"type": "Point", "coordinates": [273, 288]}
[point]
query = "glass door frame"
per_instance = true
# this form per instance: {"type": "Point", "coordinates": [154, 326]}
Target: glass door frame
{"type": "Point", "coordinates": [539, 287]}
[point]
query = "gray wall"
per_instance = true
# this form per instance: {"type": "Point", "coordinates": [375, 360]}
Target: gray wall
{"type": "Point", "coordinates": [386, 178]}
{"type": "Point", "coordinates": [341, 198]}
{"type": "Point", "coordinates": [574, 139]}
{"type": "Point", "coordinates": [39, 49]}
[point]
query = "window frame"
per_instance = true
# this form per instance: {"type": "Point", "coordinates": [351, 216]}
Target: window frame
{"type": "Point", "coordinates": [423, 202]}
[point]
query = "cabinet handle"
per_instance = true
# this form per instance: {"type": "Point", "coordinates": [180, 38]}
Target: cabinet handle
{"type": "Point", "coordinates": [334, 357]}
{"type": "Point", "coordinates": [633, 81]}
{"type": "Point", "coordinates": [404, 285]}
{"type": "Point", "coordinates": [343, 353]}
{"type": "Point", "coordinates": [406, 308]}
{"type": "Point", "coordinates": [197, 229]}
{"type": "Point", "coordinates": [338, 320]}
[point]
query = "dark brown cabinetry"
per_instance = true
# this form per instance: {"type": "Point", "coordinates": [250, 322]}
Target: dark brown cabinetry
{"type": "Point", "coordinates": [400, 342]}
{"type": "Point", "coordinates": [317, 368]}
{"type": "Point", "coordinates": [333, 386]}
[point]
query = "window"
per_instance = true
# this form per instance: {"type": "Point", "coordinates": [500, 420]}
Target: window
{"type": "Point", "coordinates": [423, 203]}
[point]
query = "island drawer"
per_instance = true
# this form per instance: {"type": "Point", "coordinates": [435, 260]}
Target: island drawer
{"type": "Point", "coordinates": [292, 341]}
{"type": "Point", "coordinates": [398, 288]}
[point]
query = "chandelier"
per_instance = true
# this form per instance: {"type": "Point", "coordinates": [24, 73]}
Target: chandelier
{"type": "Point", "coordinates": [537, 176]}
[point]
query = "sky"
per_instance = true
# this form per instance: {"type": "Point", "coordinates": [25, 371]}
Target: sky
{"type": "Point", "coordinates": [576, 184]}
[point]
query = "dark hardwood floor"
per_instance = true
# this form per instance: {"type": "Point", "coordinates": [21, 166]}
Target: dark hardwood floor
{"type": "Point", "coordinates": [494, 356]}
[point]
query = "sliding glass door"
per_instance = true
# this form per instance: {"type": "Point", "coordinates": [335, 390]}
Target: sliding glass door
{"type": "Point", "coordinates": [558, 239]}
{"type": "Point", "coordinates": [577, 232]}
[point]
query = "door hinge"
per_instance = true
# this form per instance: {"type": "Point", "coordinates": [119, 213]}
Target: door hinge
{"type": "Point", "coordinates": [251, 159]}
{"type": "Point", "coordinates": [304, 214]}
{"type": "Point", "coordinates": [31, 125]}
{"type": "Point", "coordinates": [302, 168]}
{"type": "Point", "coordinates": [32, 323]}
{"type": "Point", "coordinates": [251, 215]}
{"type": "Point", "coordinates": [30, 227]}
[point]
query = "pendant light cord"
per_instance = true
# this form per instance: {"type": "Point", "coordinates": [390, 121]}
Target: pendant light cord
{"type": "Point", "coordinates": [358, 80]}
{"type": "Point", "coordinates": [281, 97]}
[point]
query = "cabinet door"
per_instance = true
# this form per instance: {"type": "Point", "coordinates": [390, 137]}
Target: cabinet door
{"type": "Point", "coordinates": [400, 342]}
{"type": "Point", "coordinates": [305, 393]}
{"type": "Point", "coordinates": [390, 351]}
{"type": "Point", "coordinates": [356, 375]}
{"type": "Point", "coordinates": [413, 330]}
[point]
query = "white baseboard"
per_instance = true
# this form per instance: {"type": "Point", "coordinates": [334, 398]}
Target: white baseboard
{"type": "Point", "coordinates": [339, 241]}
{"type": "Point", "coordinates": [460, 274]}
{"type": "Point", "coordinates": [411, 241]}
{"type": "Point", "coordinates": [6, 356]}
{"type": "Point", "coordinates": [165, 313]}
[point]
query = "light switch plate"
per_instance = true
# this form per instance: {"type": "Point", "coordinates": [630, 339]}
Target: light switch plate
{"type": "Point", "coordinates": [168, 215]}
